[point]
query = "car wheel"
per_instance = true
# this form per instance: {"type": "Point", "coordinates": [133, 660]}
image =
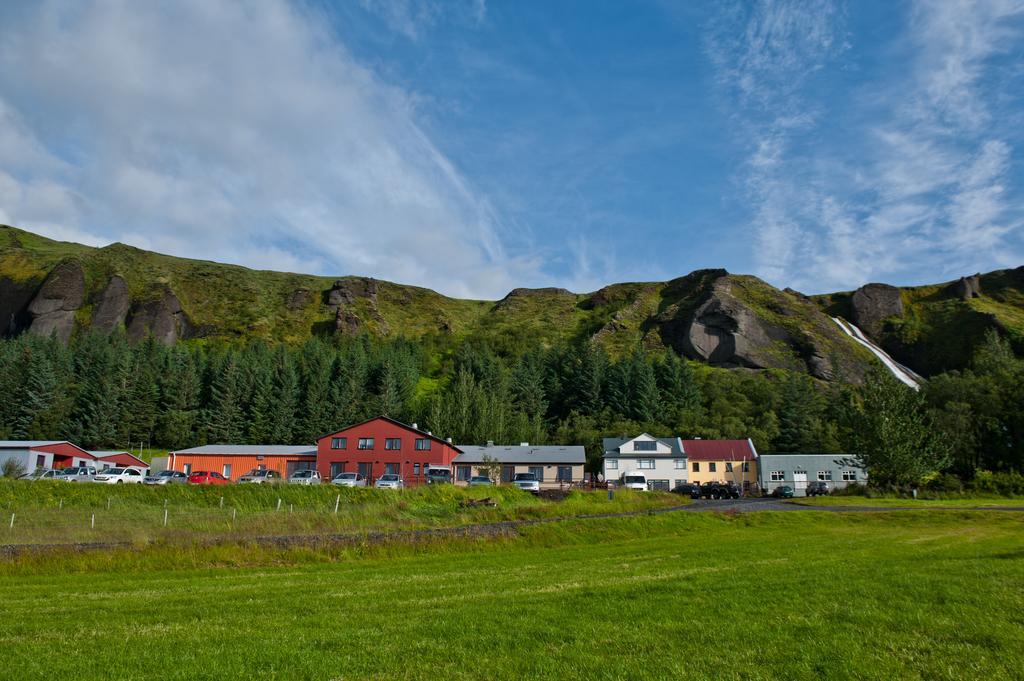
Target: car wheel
{"type": "Point", "coordinates": [120, 482]}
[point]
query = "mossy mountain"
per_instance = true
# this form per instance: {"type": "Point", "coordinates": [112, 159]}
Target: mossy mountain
{"type": "Point", "coordinates": [727, 320]}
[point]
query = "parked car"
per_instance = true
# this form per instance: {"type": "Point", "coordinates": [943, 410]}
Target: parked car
{"type": "Point", "coordinates": [207, 478]}
{"type": "Point", "coordinates": [437, 475]}
{"type": "Point", "coordinates": [79, 474]}
{"type": "Point", "coordinates": [166, 478]}
{"type": "Point", "coordinates": [349, 480]}
{"type": "Point", "coordinates": [480, 481]}
{"type": "Point", "coordinates": [720, 490]}
{"type": "Point", "coordinates": [818, 487]}
{"type": "Point", "coordinates": [389, 481]}
{"type": "Point", "coordinates": [306, 477]}
{"type": "Point", "coordinates": [633, 480]}
{"type": "Point", "coordinates": [260, 476]}
{"type": "Point", "coordinates": [43, 474]}
{"type": "Point", "coordinates": [527, 482]}
{"type": "Point", "coordinates": [119, 476]}
{"type": "Point", "coordinates": [783, 492]}
{"type": "Point", "coordinates": [687, 489]}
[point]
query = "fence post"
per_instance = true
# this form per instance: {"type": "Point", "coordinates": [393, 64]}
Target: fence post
{"type": "Point", "coordinates": [92, 522]}
{"type": "Point", "coordinates": [12, 521]}
{"type": "Point", "coordinates": [336, 502]}
{"type": "Point", "coordinates": [222, 502]}
{"type": "Point", "coordinates": [234, 512]}
{"type": "Point", "coordinates": [165, 517]}
{"type": "Point", "coordinates": [291, 507]}
{"type": "Point", "coordinates": [279, 503]}
{"type": "Point", "coordinates": [108, 503]}
{"type": "Point", "coordinates": [61, 504]}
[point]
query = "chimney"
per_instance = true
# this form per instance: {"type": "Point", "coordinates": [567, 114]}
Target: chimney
{"type": "Point", "coordinates": [429, 433]}
{"type": "Point", "coordinates": [490, 443]}
{"type": "Point", "coordinates": [448, 440]}
{"type": "Point", "coordinates": [414, 427]}
{"type": "Point", "coordinates": [524, 444]}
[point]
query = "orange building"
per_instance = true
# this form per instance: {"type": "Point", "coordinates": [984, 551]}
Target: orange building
{"type": "Point", "coordinates": [234, 461]}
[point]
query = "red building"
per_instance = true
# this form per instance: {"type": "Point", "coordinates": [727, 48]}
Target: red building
{"type": "Point", "coordinates": [35, 454]}
{"type": "Point", "coordinates": [119, 458]}
{"type": "Point", "coordinates": [382, 445]}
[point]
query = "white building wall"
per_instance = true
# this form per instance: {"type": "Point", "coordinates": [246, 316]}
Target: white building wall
{"type": "Point", "coordinates": [664, 469]}
{"type": "Point", "coordinates": [27, 458]}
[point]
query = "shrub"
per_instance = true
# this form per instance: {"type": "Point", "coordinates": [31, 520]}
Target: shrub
{"type": "Point", "coordinates": [12, 468]}
{"type": "Point", "coordinates": [854, 489]}
{"type": "Point", "coordinates": [947, 483]}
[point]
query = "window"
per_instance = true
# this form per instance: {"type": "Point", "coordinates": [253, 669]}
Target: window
{"type": "Point", "coordinates": [40, 461]}
{"type": "Point", "coordinates": [365, 469]}
{"type": "Point", "coordinates": [463, 473]}
{"type": "Point", "coordinates": [611, 464]}
{"type": "Point", "coordinates": [645, 446]}
{"type": "Point", "coordinates": [337, 469]}
{"type": "Point", "coordinates": [728, 466]}
{"type": "Point", "coordinates": [696, 467]}
{"type": "Point", "coordinates": [565, 474]}
{"type": "Point", "coordinates": [415, 469]}
{"type": "Point", "coordinates": [392, 468]}
{"type": "Point", "coordinates": [339, 443]}
{"type": "Point", "coordinates": [850, 476]}
{"type": "Point", "coordinates": [680, 464]}
{"type": "Point", "coordinates": [824, 475]}
{"type": "Point", "coordinates": [659, 485]}
{"type": "Point", "coordinates": [537, 471]}
{"type": "Point", "coordinates": [746, 466]}
{"type": "Point", "coordinates": [227, 470]}
{"type": "Point", "coordinates": [366, 443]}
{"type": "Point", "coordinates": [678, 482]}
{"type": "Point", "coordinates": [778, 476]}
{"type": "Point", "coordinates": [712, 467]}
{"type": "Point", "coordinates": [423, 444]}
{"type": "Point", "coordinates": [645, 464]}
{"type": "Point", "coordinates": [393, 443]}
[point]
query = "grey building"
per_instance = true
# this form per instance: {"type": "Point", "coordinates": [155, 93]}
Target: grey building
{"type": "Point", "coordinates": [798, 470]}
{"type": "Point", "coordinates": [554, 465]}
{"type": "Point", "coordinates": [662, 460]}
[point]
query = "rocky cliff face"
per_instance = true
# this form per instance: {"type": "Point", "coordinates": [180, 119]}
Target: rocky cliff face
{"type": "Point", "coordinates": [62, 294]}
{"type": "Point", "coordinates": [161, 317]}
{"type": "Point", "coordinates": [111, 309]}
{"type": "Point", "coordinates": [873, 304]}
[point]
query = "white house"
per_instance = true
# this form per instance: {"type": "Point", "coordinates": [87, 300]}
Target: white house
{"type": "Point", "coordinates": [661, 460]}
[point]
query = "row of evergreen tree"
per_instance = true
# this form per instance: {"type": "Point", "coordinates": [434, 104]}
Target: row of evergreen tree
{"type": "Point", "coordinates": [102, 392]}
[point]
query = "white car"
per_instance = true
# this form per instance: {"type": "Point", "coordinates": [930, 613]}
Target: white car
{"type": "Point", "coordinates": [349, 480]}
{"type": "Point", "coordinates": [79, 474]}
{"type": "Point", "coordinates": [260, 476]}
{"type": "Point", "coordinates": [527, 482]}
{"type": "Point", "coordinates": [306, 477]}
{"type": "Point", "coordinates": [389, 481]}
{"type": "Point", "coordinates": [637, 481]}
{"type": "Point", "coordinates": [119, 476]}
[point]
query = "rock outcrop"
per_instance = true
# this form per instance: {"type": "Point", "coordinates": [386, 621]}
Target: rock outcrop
{"type": "Point", "coordinates": [966, 288]}
{"type": "Point", "coordinates": [111, 308]}
{"type": "Point", "coordinates": [298, 299]}
{"type": "Point", "coordinates": [161, 317]}
{"type": "Point", "coordinates": [874, 303]}
{"type": "Point", "coordinates": [61, 295]}
{"type": "Point", "coordinates": [344, 297]}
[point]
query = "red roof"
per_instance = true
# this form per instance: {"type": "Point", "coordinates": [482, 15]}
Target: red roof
{"type": "Point", "coordinates": [719, 450]}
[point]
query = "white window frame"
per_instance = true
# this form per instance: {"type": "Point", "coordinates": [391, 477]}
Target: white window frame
{"type": "Point", "coordinates": [611, 464]}
{"type": "Point", "coordinates": [849, 476]}
{"type": "Point", "coordinates": [680, 464]}
{"type": "Point", "coordinates": [824, 476]}
{"type": "Point", "coordinates": [778, 476]}
{"type": "Point", "coordinates": [728, 466]}
{"type": "Point", "coordinates": [645, 464]}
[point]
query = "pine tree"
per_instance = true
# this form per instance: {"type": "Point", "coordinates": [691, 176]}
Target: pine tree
{"type": "Point", "coordinates": [317, 408]}
{"type": "Point", "coordinates": [282, 423]}
{"type": "Point", "coordinates": [644, 397]}
{"type": "Point", "coordinates": [224, 415]}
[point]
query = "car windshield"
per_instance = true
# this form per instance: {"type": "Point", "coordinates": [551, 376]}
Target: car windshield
{"type": "Point", "coordinates": [115, 471]}
{"type": "Point", "coordinates": [481, 478]}
{"type": "Point", "coordinates": [390, 477]}
{"type": "Point", "coordinates": [526, 477]}
{"type": "Point", "coordinates": [436, 473]}
{"type": "Point", "coordinates": [165, 474]}
{"type": "Point", "coordinates": [346, 476]}
{"type": "Point", "coordinates": [635, 479]}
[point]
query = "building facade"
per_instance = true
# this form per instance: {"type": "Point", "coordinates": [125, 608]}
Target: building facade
{"type": "Point", "coordinates": [33, 454]}
{"type": "Point", "coordinates": [732, 461]}
{"type": "Point", "coordinates": [663, 461]}
{"type": "Point", "coordinates": [555, 466]}
{"type": "Point", "coordinates": [234, 461]}
{"type": "Point", "coordinates": [383, 445]}
{"type": "Point", "coordinates": [798, 470]}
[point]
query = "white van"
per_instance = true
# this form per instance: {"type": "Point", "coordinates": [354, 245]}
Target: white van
{"type": "Point", "coordinates": [634, 480]}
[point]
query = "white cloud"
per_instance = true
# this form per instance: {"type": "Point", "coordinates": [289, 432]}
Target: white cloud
{"type": "Point", "coordinates": [235, 132]}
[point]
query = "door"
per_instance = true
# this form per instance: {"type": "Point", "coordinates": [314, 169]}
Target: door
{"type": "Point", "coordinates": [506, 473]}
{"type": "Point", "coordinates": [337, 468]}
{"type": "Point", "coordinates": [799, 482]}
{"type": "Point", "coordinates": [366, 469]}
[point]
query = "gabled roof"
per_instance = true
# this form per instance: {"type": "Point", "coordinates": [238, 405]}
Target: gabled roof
{"type": "Point", "coordinates": [250, 450]}
{"type": "Point", "coordinates": [396, 422]}
{"type": "Point", "coordinates": [612, 444]}
{"type": "Point", "coordinates": [105, 455]}
{"type": "Point", "coordinates": [524, 454]}
{"type": "Point", "coordinates": [720, 450]}
{"type": "Point", "coordinates": [30, 444]}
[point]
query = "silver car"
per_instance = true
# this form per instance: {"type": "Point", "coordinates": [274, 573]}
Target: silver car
{"type": "Point", "coordinates": [166, 478]}
{"type": "Point", "coordinates": [527, 482]}
{"type": "Point", "coordinates": [390, 481]}
{"type": "Point", "coordinates": [305, 477]}
{"type": "Point", "coordinates": [260, 476]}
{"type": "Point", "coordinates": [349, 480]}
{"type": "Point", "coordinates": [43, 474]}
{"type": "Point", "coordinates": [79, 474]}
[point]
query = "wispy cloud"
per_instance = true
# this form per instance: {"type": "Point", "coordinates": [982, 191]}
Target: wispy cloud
{"type": "Point", "coordinates": [921, 181]}
{"type": "Point", "coordinates": [223, 131]}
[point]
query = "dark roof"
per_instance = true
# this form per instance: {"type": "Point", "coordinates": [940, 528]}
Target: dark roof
{"type": "Point", "coordinates": [719, 450]}
{"type": "Point", "coordinates": [567, 454]}
{"type": "Point", "coordinates": [611, 445]}
{"type": "Point", "coordinates": [390, 420]}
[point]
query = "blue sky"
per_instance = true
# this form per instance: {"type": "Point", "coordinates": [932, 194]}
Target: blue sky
{"type": "Point", "coordinates": [477, 146]}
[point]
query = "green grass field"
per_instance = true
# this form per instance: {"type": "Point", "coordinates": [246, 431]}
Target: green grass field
{"type": "Point", "coordinates": [61, 512]}
{"type": "Point", "coordinates": [917, 595]}
{"type": "Point", "coordinates": [974, 502]}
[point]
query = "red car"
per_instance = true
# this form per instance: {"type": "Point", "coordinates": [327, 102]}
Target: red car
{"type": "Point", "coordinates": [207, 478]}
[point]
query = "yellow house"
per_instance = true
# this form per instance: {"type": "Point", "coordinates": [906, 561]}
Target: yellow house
{"type": "Point", "coordinates": [721, 461]}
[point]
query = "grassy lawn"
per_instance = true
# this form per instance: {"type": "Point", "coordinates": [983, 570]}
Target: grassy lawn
{"type": "Point", "coordinates": [978, 502]}
{"type": "Point", "coordinates": [936, 595]}
{"type": "Point", "coordinates": [61, 512]}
